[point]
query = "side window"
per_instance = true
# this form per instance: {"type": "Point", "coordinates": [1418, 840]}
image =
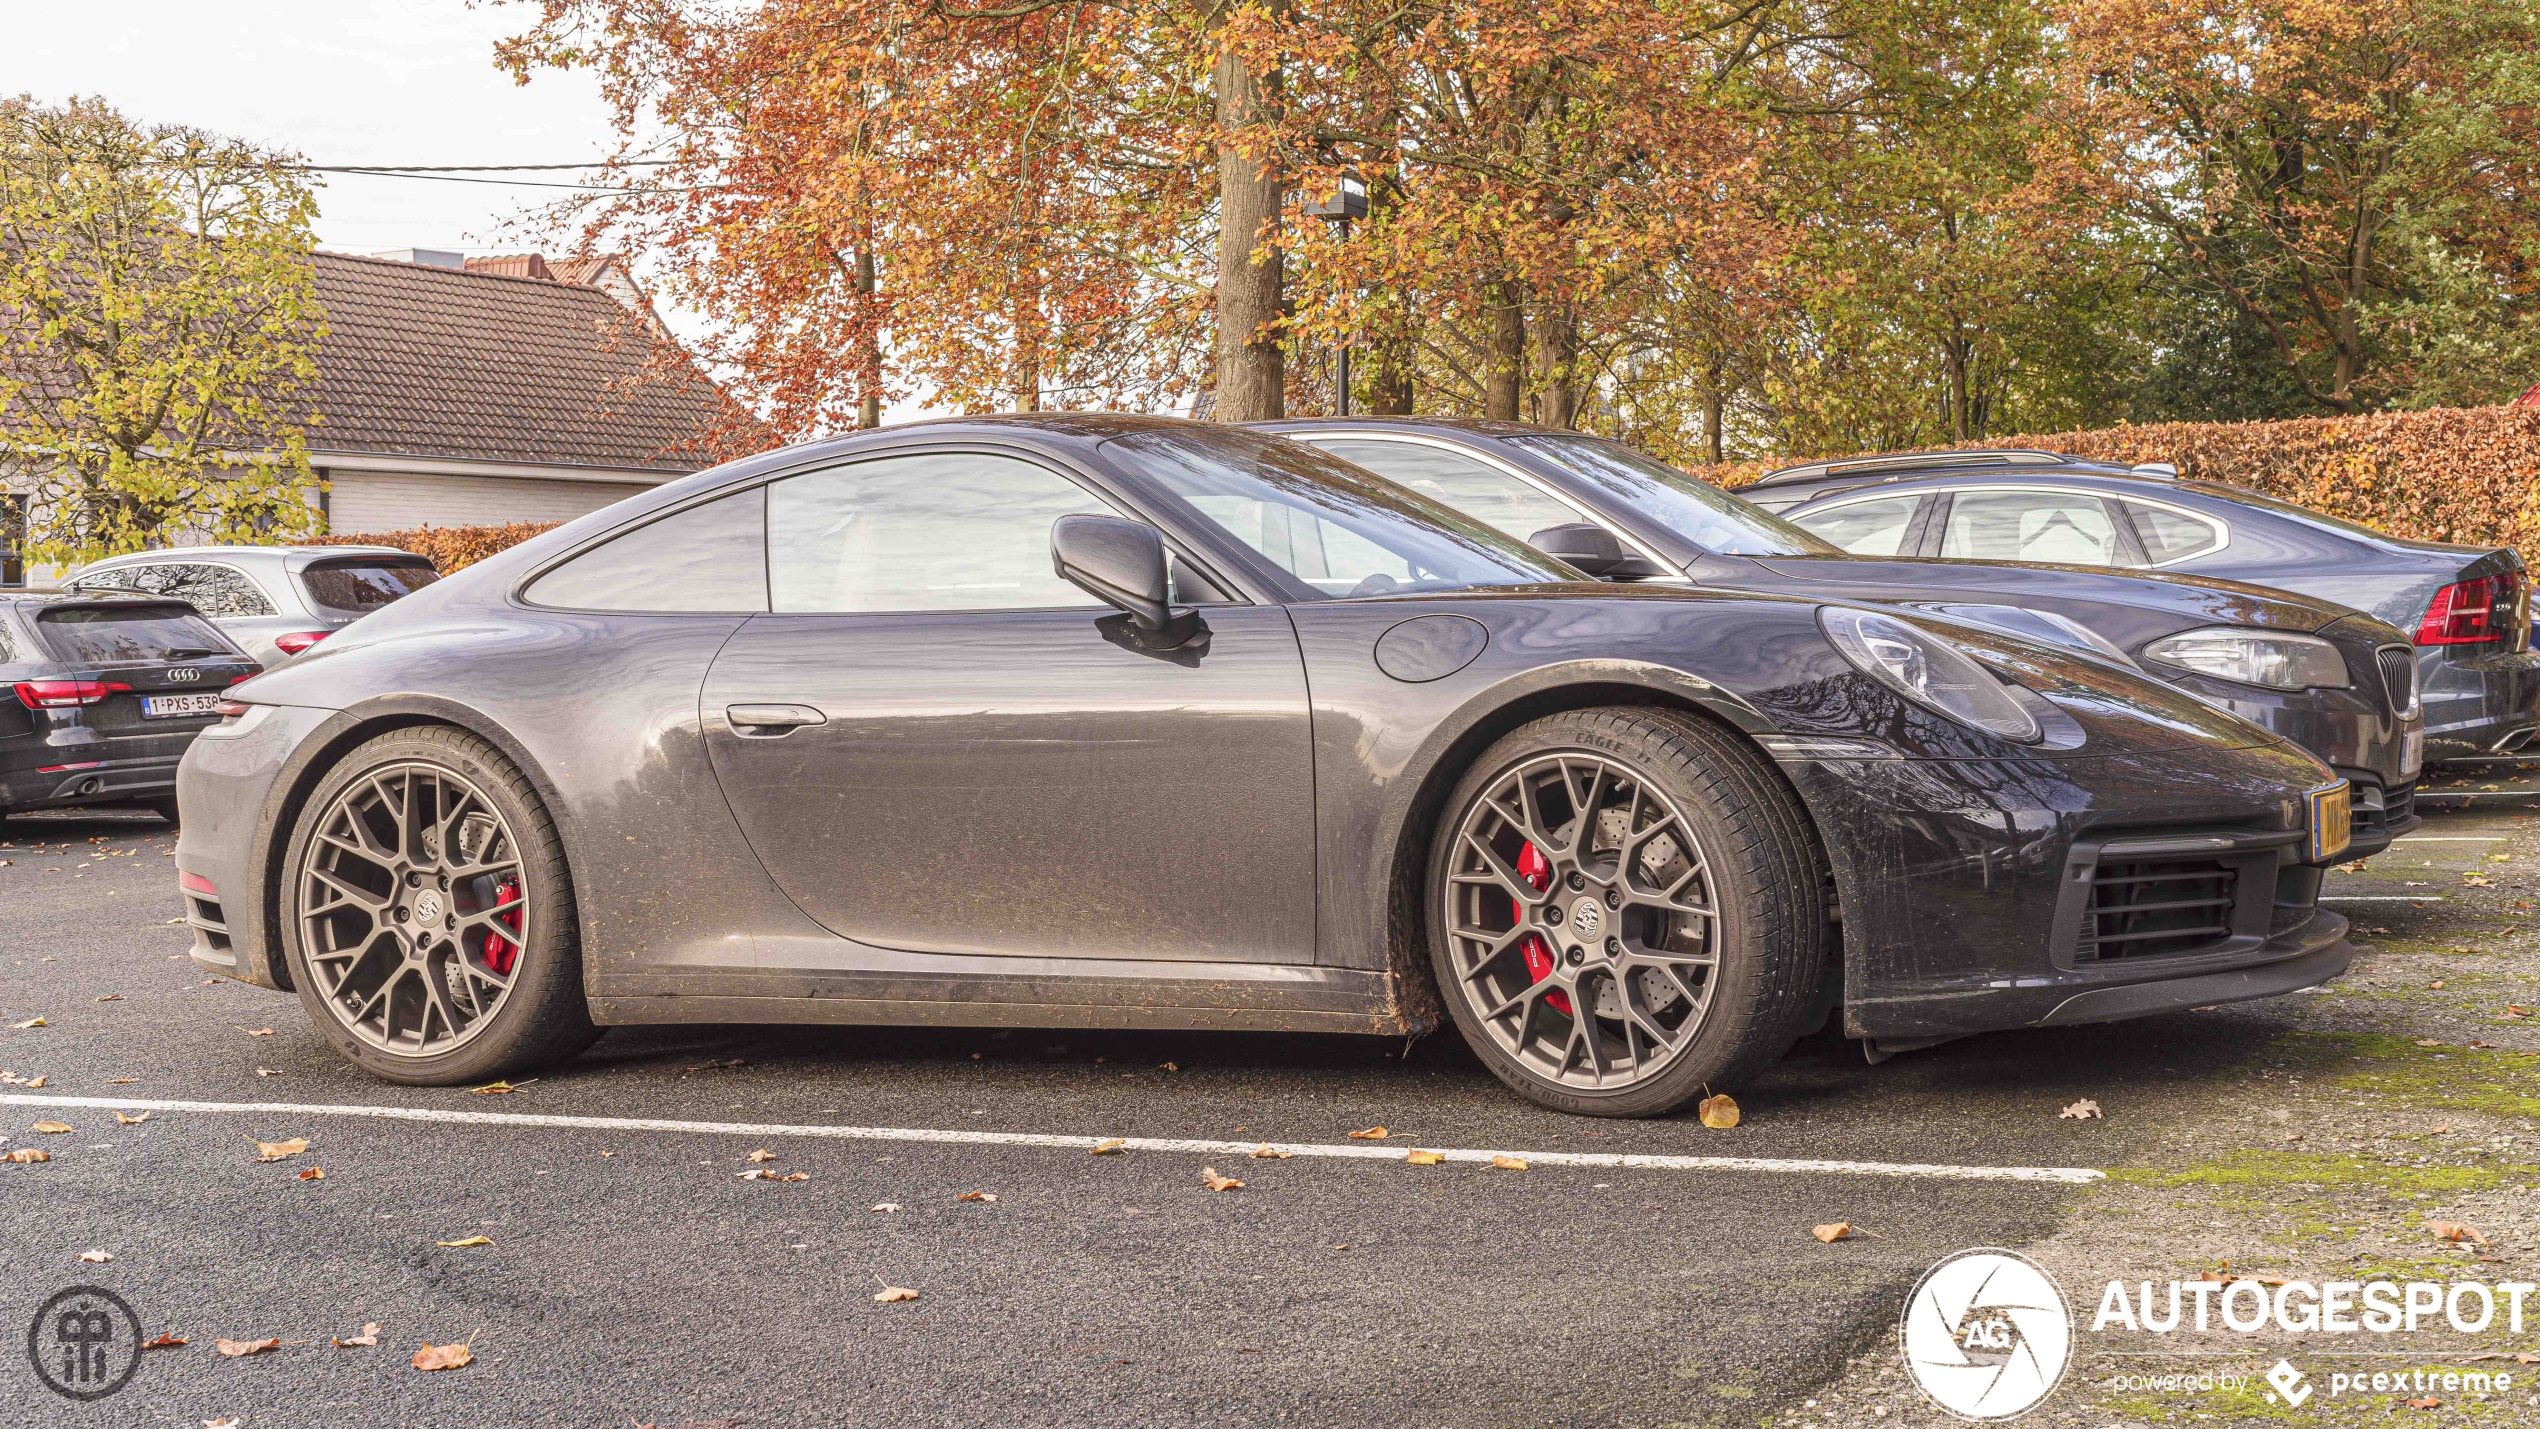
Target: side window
{"type": "Point", "coordinates": [940, 531]}
{"type": "Point", "coordinates": [2064, 527]}
{"type": "Point", "coordinates": [2171, 535]}
{"type": "Point", "coordinates": [1476, 488]}
{"type": "Point", "coordinates": [708, 558]}
{"type": "Point", "coordinates": [214, 590]}
{"type": "Point", "coordinates": [1864, 528]}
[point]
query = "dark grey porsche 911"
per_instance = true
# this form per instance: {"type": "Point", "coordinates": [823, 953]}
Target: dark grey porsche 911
{"type": "Point", "coordinates": [1119, 721]}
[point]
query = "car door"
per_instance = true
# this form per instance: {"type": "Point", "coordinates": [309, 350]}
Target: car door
{"type": "Point", "coordinates": [937, 745]}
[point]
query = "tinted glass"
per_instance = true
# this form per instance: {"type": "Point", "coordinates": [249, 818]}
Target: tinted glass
{"type": "Point", "coordinates": [1865, 528]}
{"type": "Point", "coordinates": [1326, 522]}
{"type": "Point", "coordinates": [1474, 487]}
{"type": "Point", "coordinates": [2169, 535]}
{"type": "Point", "coordinates": [212, 589]}
{"type": "Point", "coordinates": [1692, 508]}
{"type": "Point", "coordinates": [2064, 527]}
{"type": "Point", "coordinates": [706, 558]}
{"type": "Point", "coordinates": [943, 531]}
{"type": "Point", "coordinates": [104, 637]}
{"type": "Point", "coordinates": [360, 587]}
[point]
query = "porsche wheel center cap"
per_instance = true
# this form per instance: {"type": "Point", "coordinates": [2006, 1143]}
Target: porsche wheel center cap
{"type": "Point", "coordinates": [1587, 920]}
{"type": "Point", "coordinates": [428, 906]}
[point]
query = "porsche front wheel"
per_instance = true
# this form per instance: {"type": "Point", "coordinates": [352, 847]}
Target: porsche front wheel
{"type": "Point", "coordinates": [1625, 905]}
{"type": "Point", "coordinates": [428, 914]}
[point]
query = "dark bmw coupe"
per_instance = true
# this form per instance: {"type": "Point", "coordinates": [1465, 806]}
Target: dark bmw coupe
{"type": "Point", "coordinates": [2335, 681]}
{"type": "Point", "coordinates": [2467, 609]}
{"type": "Point", "coordinates": [1128, 722]}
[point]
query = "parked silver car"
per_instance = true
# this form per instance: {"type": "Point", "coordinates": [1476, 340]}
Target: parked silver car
{"type": "Point", "coordinates": [274, 601]}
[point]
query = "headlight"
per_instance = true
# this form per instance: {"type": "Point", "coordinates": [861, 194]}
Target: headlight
{"type": "Point", "coordinates": [1927, 670]}
{"type": "Point", "coordinates": [2253, 657]}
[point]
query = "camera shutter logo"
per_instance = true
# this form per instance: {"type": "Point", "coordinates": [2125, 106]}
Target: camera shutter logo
{"type": "Point", "coordinates": [1987, 1335]}
{"type": "Point", "coordinates": [85, 1343]}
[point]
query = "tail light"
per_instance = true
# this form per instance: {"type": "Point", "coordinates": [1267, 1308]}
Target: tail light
{"type": "Point", "coordinates": [65, 694]}
{"type": "Point", "coordinates": [2474, 612]}
{"type": "Point", "coordinates": [230, 709]}
{"type": "Point", "coordinates": [298, 640]}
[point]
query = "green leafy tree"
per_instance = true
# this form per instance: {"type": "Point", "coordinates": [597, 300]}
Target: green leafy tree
{"type": "Point", "coordinates": [158, 333]}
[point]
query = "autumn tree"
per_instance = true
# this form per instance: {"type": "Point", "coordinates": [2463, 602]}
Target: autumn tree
{"type": "Point", "coordinates": [158, 331]}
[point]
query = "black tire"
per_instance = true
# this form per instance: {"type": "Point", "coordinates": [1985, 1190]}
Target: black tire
{"type": "Point", "coordinates": [1754, 857]}
{"type": "Point", "coordinates": [542, 1017]}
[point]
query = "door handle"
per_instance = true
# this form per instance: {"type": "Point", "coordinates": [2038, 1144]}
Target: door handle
{"type": "Point", "coordinates": [771, 721]}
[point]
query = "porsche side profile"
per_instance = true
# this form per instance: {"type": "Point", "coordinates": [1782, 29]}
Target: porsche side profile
{"type": "Point", "coordinates": [1099, 720]}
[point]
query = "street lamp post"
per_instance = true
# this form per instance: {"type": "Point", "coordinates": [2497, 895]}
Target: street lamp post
{"type": "Point", "coordinates": [1347, 201]}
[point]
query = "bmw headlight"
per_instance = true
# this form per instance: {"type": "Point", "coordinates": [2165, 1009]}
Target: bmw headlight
{"type": "Point", "coordinates": [1927, 670]}
{"type": "Point", "coordinates": [2253, 657]}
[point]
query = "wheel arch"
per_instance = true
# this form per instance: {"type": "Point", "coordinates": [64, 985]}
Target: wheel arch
{"type": "Point", "coordinates": [317, 756]}
{"type": "Point", "coordinates": [1457, 742]}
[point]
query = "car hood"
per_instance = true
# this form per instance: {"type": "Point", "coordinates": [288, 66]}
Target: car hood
{"type": "Point", "coordinates": [2124, 608]}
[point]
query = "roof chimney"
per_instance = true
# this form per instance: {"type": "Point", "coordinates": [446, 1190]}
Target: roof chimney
{"type": "Point", "coordinates": [427, 257]}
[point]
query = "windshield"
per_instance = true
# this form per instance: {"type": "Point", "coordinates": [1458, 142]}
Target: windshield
{"type": "Point", "coordinates": [125, 634]}
{"type": "Point", "coordinates": [1338, 531]}
{"type": "Point", "coordinates": [356, 588]}
{"type": "Point", "coordinates": [1692, 508]}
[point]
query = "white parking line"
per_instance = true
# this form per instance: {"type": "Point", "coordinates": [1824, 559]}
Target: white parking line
{"type": "Point", "coordinates": [1365, 1151]}
{"type": "Point", "coordinates": [2383, 898]}
{"type": "Point", "coordinates": [2448, 838]}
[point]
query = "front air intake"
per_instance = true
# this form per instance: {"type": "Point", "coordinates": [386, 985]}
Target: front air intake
{"type": "Point", "coordinates": [2151, 907]}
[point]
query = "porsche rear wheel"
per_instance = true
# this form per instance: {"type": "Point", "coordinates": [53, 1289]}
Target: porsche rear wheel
{"type": "Point", "coordinates": [1626, 905]}
{"type": "Point", "coordinates": [428, 914]}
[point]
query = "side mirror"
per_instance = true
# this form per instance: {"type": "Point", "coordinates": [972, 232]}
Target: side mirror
{"type": "Point", "coordinates": [1121, 563]}
{"type": "Point", "coordinates": [1593, 549]}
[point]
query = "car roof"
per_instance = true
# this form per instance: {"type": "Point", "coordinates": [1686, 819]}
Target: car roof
{"type": "Point", "coordinates": [1898, 465]}
{"type": "Point", "coordinates": [197, 553]}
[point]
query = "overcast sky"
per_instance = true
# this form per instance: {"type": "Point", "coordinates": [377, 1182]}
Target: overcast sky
{"type": "Point", "coordinates": [341, 81]}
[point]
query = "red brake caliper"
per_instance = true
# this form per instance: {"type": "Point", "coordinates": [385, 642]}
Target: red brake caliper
{"type": "Point", "coordinates": [499, 951]}
{"type": "Point", "coordinates": [1533, 867]}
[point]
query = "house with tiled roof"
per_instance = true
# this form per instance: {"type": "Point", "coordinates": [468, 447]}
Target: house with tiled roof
{"type": "Point", "coordinates": [455, 392]}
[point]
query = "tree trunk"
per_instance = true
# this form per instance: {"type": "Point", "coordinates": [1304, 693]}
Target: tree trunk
{"type": "Point", "coordinates": [1389, 387]}
{"type": "Point", "coordinates": [1504, 359]}
{"type": "Point", "coordinates": [1953, 357]}
{"type": "Point", "coordinates": [869, 373]}
{"type": "Point", "coordinates": [1714, 405]}
{"type": "Point", "coordinates": [1251, 371]}
{"type": "Point", "coordinates": [1557, 360]}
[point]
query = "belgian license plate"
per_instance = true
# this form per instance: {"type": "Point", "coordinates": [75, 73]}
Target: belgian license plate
{"type": "Point", "coordinates": [2412, 752]}
{"type": "Point", "coordinates": [2332, 820]}
{"type": "Point", "coordinates": [178, 706]}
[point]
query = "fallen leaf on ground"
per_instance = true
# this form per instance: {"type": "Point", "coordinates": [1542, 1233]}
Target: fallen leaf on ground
{"type": "Point", "coordinates": [236, 1348]}
{"type": "Point", "coordinates": [2445, 1129]}
{"type": "Point", "coordinates": [885, 1207]}
{"type": "Point", "coordinates": [463, 1244]}
{"type": "Point", "coordinates": [55, 1128]}
{"type": "Point", "coordinates": [229, 1423]}
{"type": "Point", "coordinates": [2512, 1010]}
{"type": "Point", "coordinates": [765, 1174]}
{"type": "Point", "coordinates": [280, 1150]}
{"type": "Point", "coordinates": [978, 1196]}
{"type": "Point", "coordinates": [33, 1082]}
{"type": "Point", "coordinates": [121, 1081]}
{"type": "Point", "coordinates": [1264, 1152]}
{"type": "Point", "coordinates": [112, 997]}
{"type": "Point", "coordinates": [1169, 1067]}
{"type": "Point", "coordinates": [96, 1257]}
{"type": "Point", "coordinates": [257, 1031]}
{"type": "Point", "coordinates": [1116, 1143]}
{"type": "Point", "coordinates": [1718, 1112]}
{"type": "Point", "coordinates": [1373, 1133]}
{"type": "Point", "coordinates": [28, 1156]}
{"type": "Point", "coordinates": [1215, 1182]}
{"type": "Point", "coordinates": [2455, 1232]}
{"type": "Point", "coordinates": [2428, 1042]}
{"type": "Point", "coordinates": [314, 1173]}
{"type": "Point", "coordinates": [368, 1336]}
{"type": "Point", "coordinates": [2437, 984]}
{"type": "Point", "coordinates": [891, 1294]}
{"type": "Point", "coordinates": [433, 1356]}
{"type": "Point", "coordinates": [30, 1022]}
{"type": "Point", "coordinates": [2083, 1110]}
{"type": "Point", "coordinates": [761, 1156]}
{"type": "Point", "coordinates": [134, 1120]}
{"type": "Point", "coordinates": [267, 1072]}
{"type": "Point", "coordinates": [1425, 1158]}
{"type": "Point", "coordinates": [1839, 1230]}
{"type": "Point", "coordinates": [2293, 1136]}
{"type": "Point", "coordinates": [2427, 1403]}
{"type": "Point", "coordinates": [1509, 1163]}
{"type": "Point", "coordinates": [2474, 1042]}
{"type": "Point", "coordinates": [491, 1089]}
{"type": "Point", "coordinates": [165, 1341]}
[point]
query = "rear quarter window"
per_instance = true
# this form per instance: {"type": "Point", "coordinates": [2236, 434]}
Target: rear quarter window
{"type": "Point", "coordinates": [353, 589]}
{"type": "Point", "coordinates": [110, 636]}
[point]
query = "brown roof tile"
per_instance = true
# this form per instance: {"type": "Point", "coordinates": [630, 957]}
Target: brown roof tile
{"type": "Point", "coordinates": [477, 365]}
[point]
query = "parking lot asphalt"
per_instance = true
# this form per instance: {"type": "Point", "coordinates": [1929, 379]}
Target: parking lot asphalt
{"type": "Point", "coordinates": [635, 1277]}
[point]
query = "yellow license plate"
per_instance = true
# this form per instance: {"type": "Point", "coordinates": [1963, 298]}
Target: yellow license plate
{"type": "Point", "coordinates": [2332, 820]}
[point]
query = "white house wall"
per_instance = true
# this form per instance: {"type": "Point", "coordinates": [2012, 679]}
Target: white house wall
{"type": "Point", "coordinates": [364, 501]}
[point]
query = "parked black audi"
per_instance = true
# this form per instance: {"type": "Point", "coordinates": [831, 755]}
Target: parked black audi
{"type": "Point", "coordinates": [99, 698]}
{"type": "Point", "coordinates": [1117, 721]}
{"type": "Point", "coordinates": [2336, 682]}
{"type": "Point", "coordinates": [2467, 608]}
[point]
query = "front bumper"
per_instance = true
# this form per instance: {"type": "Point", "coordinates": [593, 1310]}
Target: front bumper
{"type": "Point", "coordinates": [231, 790]}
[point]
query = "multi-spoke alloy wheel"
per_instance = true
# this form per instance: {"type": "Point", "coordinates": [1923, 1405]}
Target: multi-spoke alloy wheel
{"type": "Point", "coordinates": [428, 913]}
{"type": "Point", "coordinates": [412, 910]}
{"type": "Point", "coordinates": [1581, 921]}
{"type": "Point", "coordinates": [1625, 905]}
